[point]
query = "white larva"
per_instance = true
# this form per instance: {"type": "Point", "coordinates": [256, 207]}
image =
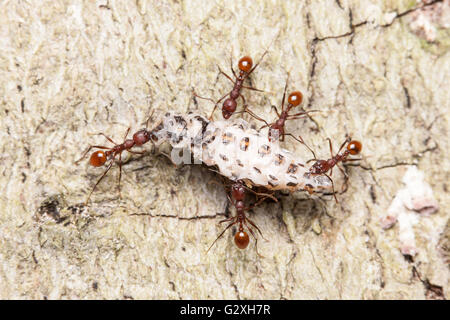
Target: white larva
{"type": "Point", "coordinates": [239, 152]}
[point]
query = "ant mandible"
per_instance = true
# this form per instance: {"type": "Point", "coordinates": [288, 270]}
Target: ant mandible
{"type": "Point", "coordinates": [321, 167]}
{"type": "Point", "coordinates": [246, 67]}
{"type": "Point", "coordinates": [241, 238]}
{"type": "Point", "coordinates": [277, 128]}
{"type": "Point", "coordinates": [99, 157]}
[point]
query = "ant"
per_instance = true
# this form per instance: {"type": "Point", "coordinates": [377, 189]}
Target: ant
{"type": "Point", "coordinates": [354, 147]}
{"type": "Point", "coordinates": [99, 157]}
{"type": "Point", "coordinates": [277, 128]}
{"type": "Point", "coordinates": [246, 67]}
{"type": "Point", "coordinates": [241, 238]}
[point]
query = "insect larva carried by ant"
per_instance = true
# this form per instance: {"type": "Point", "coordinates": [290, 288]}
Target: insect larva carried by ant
{"type": "Point", "coordinates": [237, 150]}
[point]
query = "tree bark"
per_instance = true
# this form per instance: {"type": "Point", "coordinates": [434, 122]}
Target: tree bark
{"type": "Point", "coordinates": [377, 72]}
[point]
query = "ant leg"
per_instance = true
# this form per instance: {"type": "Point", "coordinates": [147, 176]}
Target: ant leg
{"type": "Point", "coordinates": [342, 170]}
{"type": "Point", "coordinates": [108, 138]}
{"type": "Point", "coordinates": [296, 118]}
{"type": "Point", "coordinates": [218, 172]}
{"type": "Point", "coordinates": [87, 151]}
{"type": "Point", "coordinates": [168, 157]}
{"type": "Point", "coordinates": [331, 152]}
{"type": "Point", "coordinates": [343, 144]}
{"type": "Point", "coordinates": [284, 95]}
{"type": "Point", "coordinates": [149, 118]}
{"type": "Point", "coordinates": [256, 203]}
{"type": "Point", "coordinates": [254, 225]}
{"type": "Point", "coordinates": [353, 159]}
{"type": "Point", "coordinates": [216, 103]}
{"type": "Point", "coordinates": [254, 89]}
{"type": "Point", "coordinates": [346, 178]}
{"type": "Point", "coordinates": [204, 98]}
{"type": "Point", "coordinates": [229, 199]}
{"type": "Point", "coordinates": [276, 110]}
{"type": "Point", "coordinates": [261, 200]}
{"type": "Point", "coordinates": [301, 114]}
{"type": "Point", "coordinates": [255, 116]}
{"type": "Point", "coordinates": [214, 181]}
{"type": "Point", "coordinates": [231, 65]}
{"type": "Point", "coordinates": [227, 219]}
{"type": "Point", "coordinates": [260, 59]}
{"type": "Point", "coordinates": [243, 99]}
{"type": "Point", "coordinates": [126, 133]}
{"type": "Point", "coordinates": [215, 106]}
{"type": "Point", "coordinates": [332, 185]}
{"type": "Point", "coordinates": [221, 234]}
{"type": "Point", "coordinates": [246, 109]}
{"type": "Point", "coordinates": [229, 78]}
{"type": "Point", "coordinates": [264, 195]}
{"type": "Point", "coordinates": [98, 181]}
{"type": "Point", "coordinates": [300, 139]}
{"type": "Point", "coordinates": [297, 115]}
{"type": "Point", "coordinates": [265, 52]}
{"type": "Point", "coordinates": [311, 160]}
{"type": "Point", "coordinates": [120, 173]}
{"type": "Point", "coordinates": [254, 237]}
{"type": "Point", "coordinates": [212, 113]}
{"type": "Point", "coordinates": [136, 152]}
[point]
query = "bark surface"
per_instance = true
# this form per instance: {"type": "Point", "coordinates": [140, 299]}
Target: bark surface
{"type": "Point", "coordinates": [379, 71]}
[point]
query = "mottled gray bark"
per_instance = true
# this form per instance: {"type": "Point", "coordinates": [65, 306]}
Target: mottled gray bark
{"type": "Point", "coordinates": [378, 70]}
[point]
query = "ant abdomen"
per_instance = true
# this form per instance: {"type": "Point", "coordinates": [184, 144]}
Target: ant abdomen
{"type": "Point", "coordinates": [245, 64]}
{"type": "Point", "coordinates": [98, 158]}
{"type": "Point", "coordinates": [354, 147]}
{"type": "Point", "coordinates": [241, 239]}
{"type": "Point", "coordinates": [229, 105]}
{"type": "Point", "coordinates": [295, 98]}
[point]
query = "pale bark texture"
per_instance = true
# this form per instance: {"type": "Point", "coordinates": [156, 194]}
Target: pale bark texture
{"type": "Point", "coordinates": [377, 70]}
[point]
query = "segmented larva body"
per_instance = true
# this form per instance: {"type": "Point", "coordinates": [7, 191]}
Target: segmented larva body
{"type": "Point", "coordinates": [239, 152]}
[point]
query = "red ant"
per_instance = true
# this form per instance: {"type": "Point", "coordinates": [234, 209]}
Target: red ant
{"type": "Point", "coordinates": [323, 166]}
{"type": "Point", "coordinates": [241, 238]}
{"type": "Point", "coordinates": [245, 65]}
{"type": "Point", "coordinates": [99, 157]}
{"type": "Point", "coordinates": [277, 128]}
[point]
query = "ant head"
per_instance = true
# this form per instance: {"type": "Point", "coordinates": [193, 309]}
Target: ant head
{"type": "Point", "coordinates": [98, 158]}
{"type": "Point", "coordinates": [354, 147]}
{"type": "Point", "coordinates": [295, 98]}
{"type": "Point", "coordinates": [245, 64]}
{"type": "Point", "coordinates": [241, 239]}
{"type": "Point", "coordinates": [226, 114]}
{"type": "Point", "coordinates": [238, 191]}
{"type": "Point", "coordinates": [141, 137]}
